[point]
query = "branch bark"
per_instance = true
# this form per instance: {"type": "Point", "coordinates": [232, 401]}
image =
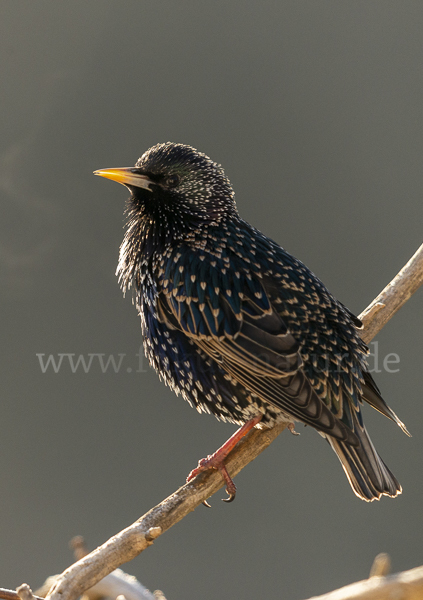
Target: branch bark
{"type": "Point", "coordinates": [6, 594]}
{"type": "Point", "coordinates": [391, 298]}
{"type": "Point", "coordinates": [130, 542]}
{"type": "Point", "coordinates": [407, 585]}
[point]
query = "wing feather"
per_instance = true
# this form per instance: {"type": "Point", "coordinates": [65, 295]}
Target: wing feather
{"type": "Point", "coordinates": [254, 346]}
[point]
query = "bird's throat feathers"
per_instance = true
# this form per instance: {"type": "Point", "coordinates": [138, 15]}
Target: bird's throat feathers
{"type": "Point", "coordinates": [152, 229]}
{"type": "Point", "coordinates": [187, 193]}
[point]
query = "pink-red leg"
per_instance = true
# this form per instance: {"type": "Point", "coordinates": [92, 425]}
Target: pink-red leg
{"type": "Point", "coordinates": [217, 459]}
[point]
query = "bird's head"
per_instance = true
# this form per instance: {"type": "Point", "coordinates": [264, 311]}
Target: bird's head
{"type": "Point", "coordinates": [176, 191]}
{"type": "Point", "coordinates": [175, 186]}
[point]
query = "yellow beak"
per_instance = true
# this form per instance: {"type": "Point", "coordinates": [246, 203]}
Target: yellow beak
{"type": "Point", "coordinates": [126, 176]}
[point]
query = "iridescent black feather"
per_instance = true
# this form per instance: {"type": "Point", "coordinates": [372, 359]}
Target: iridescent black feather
{"type": "Point", "coordinates": [235, 324]}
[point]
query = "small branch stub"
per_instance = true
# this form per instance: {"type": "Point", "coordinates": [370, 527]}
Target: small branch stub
{"type": "Point", "coordinates": [24, 592]}
{"type": "Point", "coordinates": [77, 544]}
{"type": "Point", "coordinates": [153, 533]}
{"type": "Point", "coordinates": [381, 565]}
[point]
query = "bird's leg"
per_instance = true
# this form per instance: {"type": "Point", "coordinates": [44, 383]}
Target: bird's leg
{"type": "Point", "coordinates": [217, 459]}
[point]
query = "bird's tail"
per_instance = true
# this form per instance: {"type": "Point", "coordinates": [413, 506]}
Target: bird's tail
{"type": "Point", "coordinates": [368, 475]}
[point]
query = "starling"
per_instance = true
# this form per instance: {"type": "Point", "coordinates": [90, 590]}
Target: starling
{"type": "Point", "coordinates": [235, 324]}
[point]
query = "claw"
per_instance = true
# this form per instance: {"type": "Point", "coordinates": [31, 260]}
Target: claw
{"type": "Point", "coordinates": [231, 497]}
{"type": "Point", "coordinates": [291, 428]}
{"type": "Point", "coordinates": [217, 460]}
{"type": "Point", "coordinates": [230, 486]}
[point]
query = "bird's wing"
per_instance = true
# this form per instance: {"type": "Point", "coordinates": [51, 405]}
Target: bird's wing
{"type": "Point", "coordinates": [247, 337]}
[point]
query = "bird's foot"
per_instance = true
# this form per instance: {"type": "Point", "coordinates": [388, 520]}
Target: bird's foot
{"type": "Point", "coordinates": [214, 462]}
{"type": "Point", "coordinates": [217, 459]}
{"type": "Point", "coordinates": [291, 428]}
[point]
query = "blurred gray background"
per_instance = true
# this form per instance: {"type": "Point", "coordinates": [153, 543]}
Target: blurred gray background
{"type": "Point", "coordinates": [315, 110]}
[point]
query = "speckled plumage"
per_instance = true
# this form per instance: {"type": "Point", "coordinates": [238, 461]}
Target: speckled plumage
{"type": "Point", "coordinates": [234, 323]}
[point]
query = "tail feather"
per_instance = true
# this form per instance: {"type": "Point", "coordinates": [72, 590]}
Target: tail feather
{"type": "Point", "coordinates": [368, 475]}
{"type": "Point", "coordinates": [371, 394]}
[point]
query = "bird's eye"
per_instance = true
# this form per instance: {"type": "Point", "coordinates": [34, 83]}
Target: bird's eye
{"type": "Point", "coordinates": [172, 180]}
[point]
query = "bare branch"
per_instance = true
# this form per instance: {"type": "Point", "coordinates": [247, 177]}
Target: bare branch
{"type": "Point", "coordinates": [407, 585]}
{"type": "Point", "coordinates": [395, 295]}
{"type": "Point", "coordinates": [12, 595]}
{"type": "Point", "coordinates": [137, 537]}
{"type": "Point", "coordinates": [130, 542]}
{"type": "Point", "coordinates": [117, 584]}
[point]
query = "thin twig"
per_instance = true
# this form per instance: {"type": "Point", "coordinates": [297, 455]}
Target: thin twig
{"type": "Point", "coordinates": [8, 594]}
{"type": "Point", "coordinates": [137, 537]}
{"type": "Point", "coordinates": [12, 595]}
